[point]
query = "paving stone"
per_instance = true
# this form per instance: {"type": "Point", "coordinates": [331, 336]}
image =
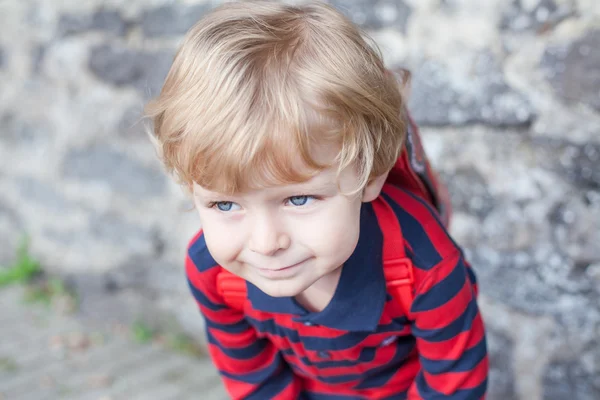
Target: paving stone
{"type": "Point", "coordinates": [376, 14]}
{"type": "Point", "coordinates": [11, 223]}
{"type": "Point", "coordinates": [122, 66]}
{"type": "Point", "coordinates": [172, 20]}
{"type": "Point", "coordinates": [573, 69]}
{"type": "Point", "coordinates": [122, 173]}
{"type": "Point", "coordinates": [105, 20]}
{"type": "Point", "coordinates": [440, 97]}
{"type": "Point", "coordinates": [3, 57]}
{"type": "Point", "coordinates": [148, 374]}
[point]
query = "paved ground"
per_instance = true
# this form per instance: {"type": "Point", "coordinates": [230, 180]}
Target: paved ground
{"type": "Point", "coordinates": [45, 355]}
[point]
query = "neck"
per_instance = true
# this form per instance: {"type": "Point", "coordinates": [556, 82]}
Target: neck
{"type": "Point", "coordinates": [320, 293]}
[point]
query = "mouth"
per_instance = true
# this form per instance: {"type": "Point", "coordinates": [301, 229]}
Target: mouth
{"type": "Point", "coordinates": [282, 272]}
{"type": "Point", "coordinates": [268, 270]}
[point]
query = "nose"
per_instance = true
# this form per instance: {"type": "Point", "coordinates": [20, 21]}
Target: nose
{"type": "Point", "coordinates": [266, 237]}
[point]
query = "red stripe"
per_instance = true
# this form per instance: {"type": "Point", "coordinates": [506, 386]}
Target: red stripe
{"type": "Point", "coordinates": [235, 340]}
{"type": "Point", "coordinates": [450, 382]}
{"type": "Point", "coordinates": [452, 349]}
{"type": "Point", "coordinates": [422, 214]}
{"type": "Point", "coordinates": [242, 367]}
{"type": "Point", "coordinates": [448, 312]}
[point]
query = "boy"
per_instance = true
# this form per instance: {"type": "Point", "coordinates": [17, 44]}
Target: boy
{"type": "Point", "coordinates": [284, 125]}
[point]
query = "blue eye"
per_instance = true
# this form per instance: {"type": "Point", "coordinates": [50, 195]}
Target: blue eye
{"type": "Point", "coordinates": [300, 200]}
{"type": "Point", "coordinates": [225, 205]}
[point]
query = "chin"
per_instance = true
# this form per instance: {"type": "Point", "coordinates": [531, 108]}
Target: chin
{"type": "Point", "coordinates": [281, 289]}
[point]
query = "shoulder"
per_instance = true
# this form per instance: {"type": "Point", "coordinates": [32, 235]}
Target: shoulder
{"type": "Point", "coordinates": [426, 239]}
{"type": "Point", "coordinates": [200, 267]}
{"type": "Point", "coordinates": [198, 253]}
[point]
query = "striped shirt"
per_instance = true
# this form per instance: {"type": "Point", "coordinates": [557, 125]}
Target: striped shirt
{"type": "Point", "coordinates": [362, 345]}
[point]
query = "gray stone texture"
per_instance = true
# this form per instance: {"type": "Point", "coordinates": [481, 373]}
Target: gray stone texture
{"type": "Point", "coordinates": [108, 21]}
{"type": "Point", "coordinates": [478, 95]}
{"type": "Point", "coordinates": [17, 132]}
{"type": "Point", "coordinates": [506, 92]}
{"type": "Point", "coordinates": [544, 15]}
{"type": "Point", "coordinates": [2, 57]}
{"type": "Point", "coordinates": [37, 191]}
{"type": "Point", "coordinates": [47, 354]}
{"type": "Point", "coordinates": [502, 380]}
{"type": "Point", "coordinates": [574, 378]}
{"type": "Point", "coordinates": [171, 20]}
{"type": "Point", "coordinates": [122, 66]}
{"type": "Point", "coordinates": [573, 69]}
{"type": "Point", "coordinates": [122, 173]}
{"type": "Point", "coordinates": [376, 14]}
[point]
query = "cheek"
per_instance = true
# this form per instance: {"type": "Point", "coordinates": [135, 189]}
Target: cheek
{"type": "Point", "coordinates": [337, 230]}
{"type": "Point", "coordinates": [221, 242]}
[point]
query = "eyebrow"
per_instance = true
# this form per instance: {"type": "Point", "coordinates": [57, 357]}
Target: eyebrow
{"type": "Point", "coordinates": [308, 187]}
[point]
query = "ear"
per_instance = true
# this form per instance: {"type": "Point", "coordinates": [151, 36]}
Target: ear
{"type": "Point", "coordinates": [373, 188]}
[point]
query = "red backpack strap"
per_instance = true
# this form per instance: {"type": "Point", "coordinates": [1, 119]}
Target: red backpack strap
{"type": "Point", "coordinates": [232, 288]}
{"type": "Point", "coordinates": [397, 268]}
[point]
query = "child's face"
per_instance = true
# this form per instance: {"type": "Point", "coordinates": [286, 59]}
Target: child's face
{"type": "Point", "coordinates": [285, 238]}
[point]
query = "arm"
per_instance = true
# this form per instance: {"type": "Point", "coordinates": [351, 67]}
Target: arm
{"type": "Point", "coordinates": [450, 335]}
{"type": "Point", "coordinates": [251, 367]}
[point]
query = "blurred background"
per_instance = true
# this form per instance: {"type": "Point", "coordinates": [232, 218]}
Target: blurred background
{"type": "Point", "coordinates": [507, 93]}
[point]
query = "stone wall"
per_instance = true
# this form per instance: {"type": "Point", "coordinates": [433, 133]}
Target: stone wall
{"type": "Point", "coordinates": [507, 93]}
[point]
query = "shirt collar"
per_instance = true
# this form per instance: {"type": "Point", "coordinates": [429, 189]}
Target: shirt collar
{"type": "Point", "coordinates": [358, 301]}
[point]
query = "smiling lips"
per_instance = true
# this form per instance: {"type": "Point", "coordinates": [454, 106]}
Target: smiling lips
{"type": "Point", "coordinates": [280, 272]}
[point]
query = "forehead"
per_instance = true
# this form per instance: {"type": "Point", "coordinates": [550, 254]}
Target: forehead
{"type": "Point", "coordinates": [317, 180]}
{"type": "Point", "coordinates": [273, 166]}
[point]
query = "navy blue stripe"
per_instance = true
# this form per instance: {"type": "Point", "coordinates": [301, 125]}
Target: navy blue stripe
{"type": "Point", "coordinates": [467, 361]}
{"type": "Point", "coordinates": [397, 325]}
{"type": "Point", "coordinates": [256, 377]}
{"type": "Point", "coordinates": [275, 385]}
{"type": "Point", "coordinates": [379, 376]}
{"type": "Point", "coordinates": [199, 254]}
{"type": "Point", "coordinates": [203, 300]}
{"type": "Point", "coordinates": [443, 291]}
{"type": "Point", "coordinates": [415, 234]}
{"type": "Point", "coordinates": [399, 396]}
{"type": "Point", "coordinates": [434, 212]}
{"type": "Point", "coordinates": [241, 353]}
{"type": "Point", "coordinates": [461, 324]}
{"type": "Point", "coordinates": [472, 277]}
{"type": "Point", "coordinates": [428, 393]}
{"type": "Point", "coordinates": [404, 346]}
{"type": "Point", "coordinates": [236, 328]}
{"type": "Point", "coordinates": [316, 343]}
{"type": "Point", "coordinates": [325, 396]}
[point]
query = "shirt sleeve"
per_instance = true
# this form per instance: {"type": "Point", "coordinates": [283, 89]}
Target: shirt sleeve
{"type": "Point", "coordinates": [250, 367]}
{"type": "Point", "coordinates": [450, 334]}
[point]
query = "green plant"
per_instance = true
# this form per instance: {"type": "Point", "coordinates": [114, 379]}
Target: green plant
{"type": "Point", "coordinates": [44, 292]}
{"type": "Point", "coordinates": [8, 365]}
{"type": "Point", "coordinates": [23, 270]}
{"type": "Point", "coordinates": [142, 333]}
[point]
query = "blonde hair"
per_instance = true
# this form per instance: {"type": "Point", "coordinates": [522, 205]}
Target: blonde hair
{"type": "Point", "coordinates": [255, 85]}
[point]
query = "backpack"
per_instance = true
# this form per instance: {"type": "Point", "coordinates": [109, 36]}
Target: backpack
{"type": "Point", "coordinates": [411, 172]}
